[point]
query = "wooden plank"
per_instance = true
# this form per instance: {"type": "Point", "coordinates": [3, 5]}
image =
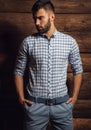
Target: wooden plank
{"type": "Point", "coordinates": [73, 22]}
{"type": "Point", "coordinates": [22, 21]}
{"type": "Point", "coordinates": [72, 6]}
{"type": "Point", "coordinates": [82, 109]}
{"type": "Point", "coordinates": [64, 22]}
{"type": "Point", "coordinates": [83, 39]}
{"type": "Point", "coordinates": [85, 91]}
{"type": "Point", "coordinates": [82, 124]}
{"type": "Point", "coordinates": [66, 6]}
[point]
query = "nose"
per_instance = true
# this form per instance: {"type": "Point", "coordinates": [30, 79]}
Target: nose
{"type": "Point", "coordinates": [37, 22]}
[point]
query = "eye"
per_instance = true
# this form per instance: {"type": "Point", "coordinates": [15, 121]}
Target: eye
{"type": "Point", "coordinates": [40, 18]}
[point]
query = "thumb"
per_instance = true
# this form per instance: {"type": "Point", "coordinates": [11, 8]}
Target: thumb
{"type": "Point", "coordinates": [28, 102]}
{"type": "Point", "coordinates": [69, 100]}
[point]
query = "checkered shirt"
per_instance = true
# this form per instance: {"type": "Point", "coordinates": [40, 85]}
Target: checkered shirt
{"type": "Point", "coordinates": [48, 62]}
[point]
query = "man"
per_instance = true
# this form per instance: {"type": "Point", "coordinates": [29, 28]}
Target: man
{"type": "Point", "coordinates": [48, 53]}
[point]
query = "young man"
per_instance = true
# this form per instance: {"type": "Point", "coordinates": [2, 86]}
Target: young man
{"type": "Point", "coordinates": [48, 53]}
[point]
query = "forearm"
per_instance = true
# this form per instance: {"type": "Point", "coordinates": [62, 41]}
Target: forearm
{"type": "Point", "coordinates": [19, 86]}
{"type": "Point", "coordinates": [20, 90]}
{"type": "Point", "coordinates": [77, 85]}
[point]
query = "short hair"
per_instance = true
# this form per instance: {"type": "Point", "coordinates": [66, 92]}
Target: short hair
{"type": "Point", "coordinates": [45, 4]}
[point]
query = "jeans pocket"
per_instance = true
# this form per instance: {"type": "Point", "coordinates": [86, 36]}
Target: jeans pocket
{"type": "Point", "coordinates": [27, 107]}
{"type": "Point", "coordinates": [70, 105]}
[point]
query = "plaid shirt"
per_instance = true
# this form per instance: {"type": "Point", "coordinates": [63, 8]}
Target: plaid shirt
{"type": "Point", "coordinates": [48, 62]}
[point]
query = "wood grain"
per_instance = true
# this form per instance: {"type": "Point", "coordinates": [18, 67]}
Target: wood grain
{"type": "Point", "coordinates": [62, 6]}
{"type": "Point", "coordinates": [82, 124]}
{"type": "Point", "coordinates": [82, 109]}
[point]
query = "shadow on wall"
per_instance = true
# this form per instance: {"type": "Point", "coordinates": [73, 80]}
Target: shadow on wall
{"type": "Point", "coordinates": [10, 110]}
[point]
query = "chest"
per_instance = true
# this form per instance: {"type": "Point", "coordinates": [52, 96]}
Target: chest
{"type": "Point", "coordinates": [55, 50]}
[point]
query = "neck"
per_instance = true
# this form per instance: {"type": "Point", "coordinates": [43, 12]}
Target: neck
{"type": "Point", "coordinates": [50, 32]}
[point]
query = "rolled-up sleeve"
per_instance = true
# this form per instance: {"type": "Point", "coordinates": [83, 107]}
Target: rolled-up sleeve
{"type": "Point", "coordinates": [75, 59]}
{"type": "Point", "coordinates": [21, 59]}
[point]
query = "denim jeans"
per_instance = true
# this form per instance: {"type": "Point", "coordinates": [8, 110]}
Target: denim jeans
{"type": "Point", "coordinates": [38, 115]}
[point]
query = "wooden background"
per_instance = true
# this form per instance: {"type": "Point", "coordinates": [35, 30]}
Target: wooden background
{"type": "Point", "coordinates": [72, 17]}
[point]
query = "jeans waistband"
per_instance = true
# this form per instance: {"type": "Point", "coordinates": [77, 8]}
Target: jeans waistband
{"type": "Point", "coordinates": [49, 101]}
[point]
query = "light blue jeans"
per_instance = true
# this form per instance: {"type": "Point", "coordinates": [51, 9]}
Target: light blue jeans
{"type": "Point", "coordinates": [38, 115]}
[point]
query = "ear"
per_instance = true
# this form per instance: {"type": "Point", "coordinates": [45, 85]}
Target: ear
{"type": "Point", "coordinates": [52, 17]}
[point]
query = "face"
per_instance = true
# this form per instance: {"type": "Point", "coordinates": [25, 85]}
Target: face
{"type": "Point", "coordinates": [42, 21]}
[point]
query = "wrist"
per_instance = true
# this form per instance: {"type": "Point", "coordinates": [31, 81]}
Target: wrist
{"type": "Point", "coordinates": [75, 97]}
{"type": "Point", "coordinates": [21, 99]}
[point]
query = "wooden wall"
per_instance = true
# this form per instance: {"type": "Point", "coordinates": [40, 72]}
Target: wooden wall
{"type": "Point", "coordinates": [72, 17]}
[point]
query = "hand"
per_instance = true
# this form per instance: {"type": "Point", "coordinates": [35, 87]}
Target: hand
{"type": "Point", "coordinates": [23, 101]}
{"type": "Point", "coordinates": [72, 100]}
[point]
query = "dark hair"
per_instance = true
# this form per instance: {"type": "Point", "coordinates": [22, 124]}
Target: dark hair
{"type": "Point", "coordinates": [46, 4]}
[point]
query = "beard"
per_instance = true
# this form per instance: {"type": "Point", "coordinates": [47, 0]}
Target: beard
{"type": "Point", "coordinates": [44, 29]}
